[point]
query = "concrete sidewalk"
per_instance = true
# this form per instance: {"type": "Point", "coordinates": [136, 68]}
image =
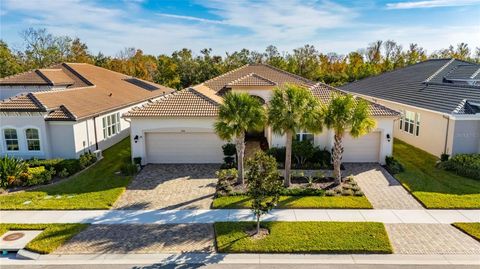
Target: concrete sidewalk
{"type": "Point", "coordinates": [215, 215]}
{"type": "Point", "coordinates": [195, 258]}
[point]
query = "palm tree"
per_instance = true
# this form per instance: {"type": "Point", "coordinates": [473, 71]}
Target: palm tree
{"type": "Point", "coordinates": [238, 113]}
{"type": "Point", "coordinates": [344, 112]}
{"type": "Point", "coordinates": [293, 108]}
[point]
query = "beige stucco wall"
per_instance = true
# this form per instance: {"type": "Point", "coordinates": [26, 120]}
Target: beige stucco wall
{"type": "Point", "coordinates": [433, 127]}
{"type": "Point", "coordinates": [265, 92]}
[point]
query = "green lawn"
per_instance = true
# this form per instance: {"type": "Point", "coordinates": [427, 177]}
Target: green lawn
{"type": "Point", "coordinates": [297, 202]}
{"type": "Point", "coordinates": [304, 237]}
{"type": "Point", "coordinates": [434, 187]}
{"type": "Point", "coordinates": [96, 188]}
{"type": "Point", "coordinates": [472, 229]}
{"type": "Point", "coordinates": [53, 236]}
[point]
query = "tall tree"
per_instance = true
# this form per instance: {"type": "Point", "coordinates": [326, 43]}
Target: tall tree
{"type": "Point", "coordinates": [239, 113]}
{"type": "Point", "coordinates": [9, 64]}
{"type": "Point", "coordinates": [43, 49]}
{"type": "Point", "coordinates": [78, 52]}
{"type": "Point", "coordinates": [167, 72]}
{"type": "Point", "coordinates": [345, 113]}
{"type": "Point", "coordinates": [293, 108]}
{"type": "Point", "coordinates": [304, 62]}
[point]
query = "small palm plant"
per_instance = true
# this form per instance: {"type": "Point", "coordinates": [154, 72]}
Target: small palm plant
{"type": "Point", "coordinates": [10, 169]}
{"type": "Point", "coordinates": [345, 113]}
{"type": "Point", "coordinates": [293, 108]}
{"type": "Point", "coordinates": [238, 113]}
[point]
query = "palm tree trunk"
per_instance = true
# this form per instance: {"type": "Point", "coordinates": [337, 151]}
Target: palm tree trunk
{"type": "Point", "coordinates": [337, 159]}
{"type": "Point", "coordinates": [288, 157]}
{"type": "Point", "coordinates": [240, 146]}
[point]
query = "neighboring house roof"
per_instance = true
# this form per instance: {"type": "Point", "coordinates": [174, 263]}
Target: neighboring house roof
{"type": "Point", "coordinates": [443, 85]}
{"type": "Point", "coordinates": [100, 90]}
{"type": "Point", "coordinates": [204, 99]}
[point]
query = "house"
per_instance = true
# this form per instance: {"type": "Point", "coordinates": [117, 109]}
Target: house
{"type": "Point", "coordinates": [439, 100]}
{"type": "Point", "coordinates": [178, 128]}
{"type": "Point", "coordinates": [68, 109]}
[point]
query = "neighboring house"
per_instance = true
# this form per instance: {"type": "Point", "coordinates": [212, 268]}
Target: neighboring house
{"type": "Point", "coordinates": [439, 101]}
{"type": "Point", "coordinates": [68, 109]}
{"type": "Point", "coordinates": [178, 128]}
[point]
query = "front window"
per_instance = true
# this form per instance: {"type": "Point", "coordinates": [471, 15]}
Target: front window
{"type": "Point", "coordinates": [33, 139]}
{"type": "Point", "coordinates": [304, 136]}
{"type": "Point", "coordinates": [11, 139]}
{"type": "Point", "coordinates": [111, 125]}
{"type": "Point", "coordinates": [410, 123]}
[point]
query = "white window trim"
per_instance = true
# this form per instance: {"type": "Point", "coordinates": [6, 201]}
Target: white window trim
{"type": "Point", "coordinates": [27, 139]}
{"type": "Point", "coordinates": [5, 140]}
{"type": "Point", "coordinates": [106, 127]}
{"type": "Point", "coordinates": [304, 132]}
{"type": "Point", "coordinates": [416, 122]}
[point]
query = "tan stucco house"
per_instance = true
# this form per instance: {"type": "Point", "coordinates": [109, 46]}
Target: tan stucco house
{"type": "Point", "coordinates": [439, 100]}
{"type": "Point", "coordinates": [178, 128]}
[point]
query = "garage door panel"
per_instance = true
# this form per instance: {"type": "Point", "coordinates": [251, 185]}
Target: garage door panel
{"type": "Point", "coordinates": [362, 149]}
{"type": "Point", "coordinates": [167, 147]}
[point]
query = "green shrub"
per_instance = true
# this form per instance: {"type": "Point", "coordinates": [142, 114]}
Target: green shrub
{"type": "Point", "coordinates": [393, 166]}
{"type": "Point", "coordinates": [463, 164]}
{"type": "Point", "coordinates": [229, 149]}
{"type": "Point", "coordinates": [64, 173]}
{"type": "Point", "coordinates": [302, 192]}
{"type": "Point", "coordinates": [71, 165]}
{"type": "Point", "coordinates": [302, 151]}
{"type": "Point", "coordinates": [330, 193]}
{"type": "Point", "coordinates": [50, 163]}
{"type": "Point", "coordinates": [87, 159]}
{"type": "Point", "coordinates": [226, 179]}
{"type": "Point", "coordinates": [39, 175]}
{"type": "Point", "coordinates": [137, 160]}
{"type": "Point", "coordinates": [358, 193]}
{"type": "Point", "coordinates": [278, 154]}
{"type": "Point", "coordinates": [323, 157]}
{"type": "Point", "coordinates": [128, 169]}
{"type": "Point", "coordinates": [10, 169]}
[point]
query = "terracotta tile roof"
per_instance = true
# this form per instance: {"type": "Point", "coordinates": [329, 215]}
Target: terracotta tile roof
{"type": "Point", "coordinates": [57, 76]}
{"type": "Point", "coordinates": [324, 93]}
{"type": "Point", "coordinates": [33, 77]}
{"type": "Point", "coordinates": [192, 102]}
{"type": "Point", "coordinates": [110, 91]}
{"type": "Point", "coordinates": [270, 73]}
{"type": "Point", "coordinates": [22, 103]}
{"type": "Point", "coordinates": [185, 103]}
{"type": "Point", "coordinates": [60, 114]}
{"type": "Point", "coordinates": [252, 79]}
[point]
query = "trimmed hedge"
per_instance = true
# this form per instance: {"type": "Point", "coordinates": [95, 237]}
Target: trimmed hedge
{"type": "Point", "coordinates": [467, 165]}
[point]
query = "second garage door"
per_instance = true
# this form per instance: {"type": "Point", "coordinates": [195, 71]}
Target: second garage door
{"type": "Point", "coordinates": [362, 149]}
{"type": "Point", "coordinates": [183, 148]}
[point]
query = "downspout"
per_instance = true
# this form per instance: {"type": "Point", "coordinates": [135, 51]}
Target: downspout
{"type": "Point", "coordinates": [95, 131]}
{"type": "Point", "coordinates": [446, 134]}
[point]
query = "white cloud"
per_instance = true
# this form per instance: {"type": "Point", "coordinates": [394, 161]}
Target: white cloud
{"type": "Point", "coordinates": [190, 18]}
{"type": "Point", "coordinates": [431, 4]}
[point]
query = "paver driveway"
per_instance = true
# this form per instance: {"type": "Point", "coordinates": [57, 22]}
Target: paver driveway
{"type": "Point", "coordinates": [382, 190]}
{"type": "Point", "coordinates": [430, 239]}
{"type": "Point", "coordinates": [141, 238]}
{"type": "Point", "coordinates": [171, 186]}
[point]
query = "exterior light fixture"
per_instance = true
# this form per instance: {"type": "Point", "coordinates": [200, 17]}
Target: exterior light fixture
{"type": "Point", "coordinates": [389, 138]}
{"type": "Point", "coordinates": [135, 139]}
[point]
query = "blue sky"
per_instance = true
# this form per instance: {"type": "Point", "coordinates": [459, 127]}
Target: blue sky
{"type": "Point", "coordinates": [164, 26]}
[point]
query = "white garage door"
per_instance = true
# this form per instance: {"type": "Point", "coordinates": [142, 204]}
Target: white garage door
{"type": "Point", "coordinates": [362, 149]}
{"type": "Point", "coordinates": [183, 148]}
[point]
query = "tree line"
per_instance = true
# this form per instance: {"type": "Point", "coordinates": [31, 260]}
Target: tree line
{"type": "Point", "coordinates": [184, 68]}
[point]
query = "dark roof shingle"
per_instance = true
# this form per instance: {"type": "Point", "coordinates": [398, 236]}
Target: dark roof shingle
{"type": "Point", "coordinates": [422, 85]}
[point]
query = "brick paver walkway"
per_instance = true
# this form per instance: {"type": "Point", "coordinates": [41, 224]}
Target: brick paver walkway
{"type": "Point", "coordinates": [430, 239]}
{"type": "Point", "coordinates": [171, 186]}
{"type": "Point", "coordinates": [382, 190]}
{"type": "Point", "coordinates": [141, 238]}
